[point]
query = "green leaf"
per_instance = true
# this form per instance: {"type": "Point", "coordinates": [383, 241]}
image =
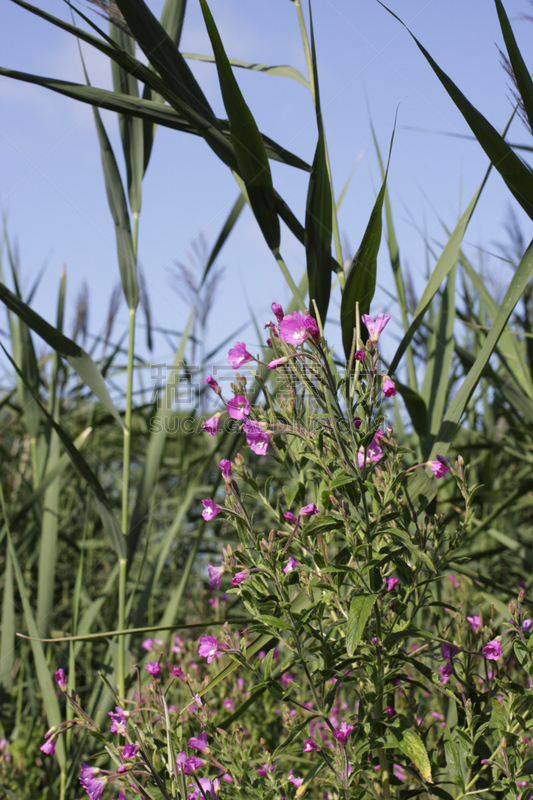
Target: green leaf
{"type": "Point", "coordinates": [131, 128]}
{"type": "Point", "coordinates": [319, 210]}
{"type": "Point", "coordinates": [453, 762]}
{"type": "Point", "coordinates": [416, 409]}
{"type": "Point", "coordinates": [360, 609]}
{"type": "Point", "coordinates": [413, 747]}
{"type": "Point", "coordinates": [7, 640]}
{"type": "Point", "coordinates": [119, 210]}
{"type": "Point", "coordinates": [253, 166]}
{"type": "Point", "coordinates": [283, 71]}
{"type": "Point", "coordinates": [275, 622]}
{"type": "Point", "coordinates": [457, 406]}
{"type": "Point", "coordinates": [520, 70]}
{"type": "Point", "coordinates": [228, 226]}
{"type": "Point", "coordinates": [48, 690]}
{"type": "Point", "coordinates": [361, 278]}
{"type": "Point", "coordinates": [78, 359]}
{"type": "Point", "coordinates": [446, 261]}
{"type": "Point", "coordinates": [439, 360]}
{"type": "Point", "coordinates": [517, 175]}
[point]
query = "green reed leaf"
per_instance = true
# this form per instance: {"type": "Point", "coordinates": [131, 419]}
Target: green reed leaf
{"type": "Point", "coordinates": [253, 166]}
{"type": "Point", "coordinates": [319, 211]}
{"type": "Point", "coordinates": [7, 640]}
{"type": "Point", "coordinates": [460, 400]}
{"type": "Point", "coordinates": [517, 175]}
{"type": "Point", "coordinates": [284, 71]}
{"type": "Point", "coordinates": [520, 70]}
{"type": "Point", "coordinates": [78, 359]}
{"type": "Point", "coordinates": [361, 278]}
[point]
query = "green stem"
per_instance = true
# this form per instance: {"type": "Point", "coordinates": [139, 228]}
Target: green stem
{"type": "Point", "coordinates": [125, 497]}
{"type": "Point", "coordinates": [288, 277]}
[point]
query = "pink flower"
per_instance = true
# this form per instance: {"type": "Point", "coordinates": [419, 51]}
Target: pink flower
{"type": "Point", "coordinates": [208, 790]}
{"type": "Point", "coordinates": [289, 516]}
{"type": "Point", "coordinates": [121, 795]}
{"type": "Point", "coordinates": [310, 745]}
{"type": "Point", "coordinates": [357, 423]}
{"type": "Point", "coordinates": [154, 669]}
{"type": "Point", "coordinates": [399, 772]}
{"type": "Point", "coordinates": [199, 743]}
{"type": "Point", "coordinates": [92, 782]}
{"type": "Point", "coordinates": [445, 673]}
{"type": "Point", "coordinates": [119, 720]}
{"type": "Point", "coordinates": [129, 751]}
{"type": "Point", "coordinates": [293, 779]}
{"type": "Point", "coordinates": [212, 383]}
{"type": "Point", "coordinates": [277, 311]}
{"type": "Point", "coordinates": [238, 407]}
{"type": "Point", "coordinates": [309, 510]}
{"type": "Point", "coordinates": [341, 734]}
{"type": "Point", "coordinates": [228, 704]}
{"type": "Point", "coordinates": [149, 644]}
{"type": "Point", "coordinates": [178, 673]}
{"type": "Point", "coordinates": [177, 647]}
{"type": "Point", "coordinates": [210, 509]}
{"type": "Point", "coordinates": [239, 577]}
{"type": "Point", "coordinates": [526, 625]}
{"type": "Point", "coordinates": [391, 583]}
{"type": "Point", "coordinates": [264, 770]}
{"type": "Point", "coordinates": [492, 651]}
{"type": "Point", "coordinates": [286, 679]}
{"type": "Point", "coordinates": [225, 468]}
{"type": "Point", "coordinates": [61, 679]}
{"type": "Point", "coordinates": [439, 467]}
{"type": "Point", "coordinates": [210, 426]}
{"type": "Point", "coordinates": [215, 574]}
{"type": "Point", "coordinates": [312, 328]}
{"type": "Point", "coordinates": [374, 451]}
{"type": "Point", "coordinates": [389, 389]}
{"type": "Point", "coordinates": [188, 765]}
{"type": "Point", "coordinates": [475, 622]}
{"type": "Point", "coordinates": [208, 648]}
{"type": "Point", "coordinates": [449, 652]}
{"type": "Point", "coordinates": [390, 711]}
{"type": "Point", "coordinates": [359, 355]}
{"type": "Point", "coordinates": [239, 355]}
{"type": "Point", "coordinates": [277, 362]}
{"type": "Point", "coordinates": [256, 438]}
{"type": "Point", "coordinates": [49, 747]}
{"type": "Point", "coordinates": [455, 582]}
{"type": "Point", "coordinates": [291, 565]}
{"type": "Point", "coordinates": [293, 328]}
{"type": "Point", "coordinates": [376, 327]}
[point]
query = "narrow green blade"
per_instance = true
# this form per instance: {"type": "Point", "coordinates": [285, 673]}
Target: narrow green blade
{"type": "Point", "coordinates": [78, 359]}
{"type": "Point", "coordinates": [319, 211]}
{"type": "Point", "coordinates": [520, 70]}
{"type": "Point", "coordinates": [250, 152]}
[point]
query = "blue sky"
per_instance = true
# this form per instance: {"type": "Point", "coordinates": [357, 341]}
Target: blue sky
{"type": "Point", "coordinates": [51, 185]}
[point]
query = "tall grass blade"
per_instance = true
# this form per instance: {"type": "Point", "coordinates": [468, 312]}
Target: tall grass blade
{"type": "Point", "coordinates": [248, 145]}
{"type": "Point", "coordinates": [319, 210]}
{"type": "Point", "coordinates": [284, 71]}
{"type": "Point", "coordinates": [119, 210]}
{"type": "Point", "coordinates": [439, 359]}
{"type": "Point", "coordinates": [517, 175]}
{"type": "Point", "coordinates": [520, 70]}
{"type": "Point", "coordinates": [48, 690]}
{"type": "Point", "coordinates": [228, 226]}
{"type": "Point", "coordinates": [156, 444]}
{"type": "Point", "coordinates": [78, 359]}
{"type": "Point", "coordinates": [131, 128]}
{"type": "Point", "coordinates": [7, 640]}
{"type": "Point", "coordinates": [447, 260]}
{"type": "Point", "coordinates": [109, 521]}
{"type": "Point", "coordinates": [361, 278]}
{"type": "Point", "coordinates": [457, 406]}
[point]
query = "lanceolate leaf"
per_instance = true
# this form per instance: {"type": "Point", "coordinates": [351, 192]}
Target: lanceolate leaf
{"type": "Point", "coordinates": [131, 128]}
{"type": "Point", "coordinates": [319, 212]}
{"type": "Point", "coordinates": [109, 521]}
{"type": "Point", "coordinates": [357, 618]}
{"type": "Point", "coordinates": [520, 70]}
{"type": "Point", "coordinates": [517, 175]}
{"type": "Point", "coordinates": [78, 359]}
{"type": "Point", "coordinates": [284, 71]}
{"type": "Point", "coordinates": [250, 151]}
{"type": "Point", "coordinates": [232, 218]}
{"type": "Point", "coordinates": [447, 260]}
{"type": "Point", "coordinates": [457, 406]}
{"type": "Point", "coordinates": [361, 279]}
{"type": "Point", "coordinates": [119, 209]}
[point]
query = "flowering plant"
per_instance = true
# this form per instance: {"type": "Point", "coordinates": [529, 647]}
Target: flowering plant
{"type": "Point", "coordinates": [357, 673]}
